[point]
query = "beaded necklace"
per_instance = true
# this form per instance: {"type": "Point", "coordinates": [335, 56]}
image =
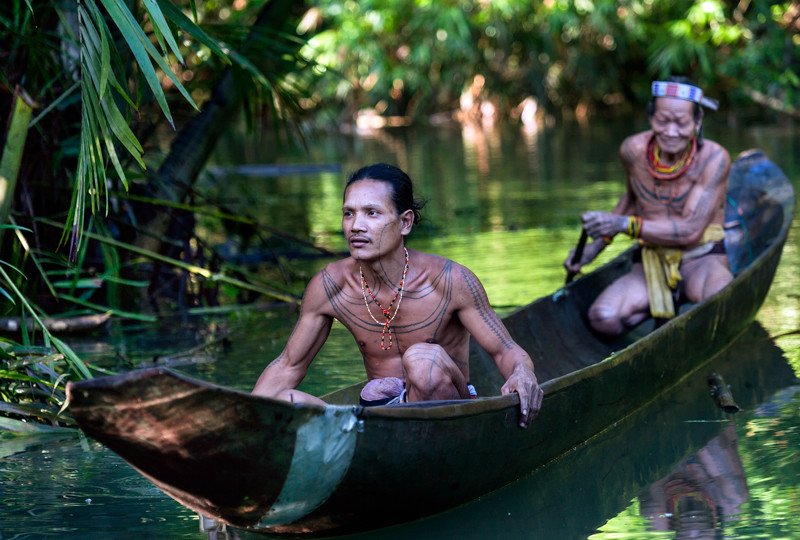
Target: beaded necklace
{"type": "Point", "coordinates": [659, 170]}
{"type": "Point", "coordinates": [386, 311]}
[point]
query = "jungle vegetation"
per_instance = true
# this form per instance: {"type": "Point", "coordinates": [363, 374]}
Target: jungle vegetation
{"type": "Point", "coordinates": [111, 108]}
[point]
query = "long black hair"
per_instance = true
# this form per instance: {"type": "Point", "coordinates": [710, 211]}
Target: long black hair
{"type": "Point", "coordinates": [402, 186]}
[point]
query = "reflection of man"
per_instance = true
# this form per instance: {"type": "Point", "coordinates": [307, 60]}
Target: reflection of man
{"type": "Point", "coordinates": [674, 205]}
{"type": "Point", "coordinates": [701, 492]}
{"type": "Point", "coordinates": [411, 313]}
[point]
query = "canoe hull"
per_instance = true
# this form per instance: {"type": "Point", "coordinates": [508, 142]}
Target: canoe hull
{"type": "Point", "coordinates": [170, 430]}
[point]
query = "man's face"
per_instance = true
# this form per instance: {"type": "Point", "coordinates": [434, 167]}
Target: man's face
{"type": "Point", "coordinates": [370, 221]}
{"type": "Point", "coordinates": [673, 124]}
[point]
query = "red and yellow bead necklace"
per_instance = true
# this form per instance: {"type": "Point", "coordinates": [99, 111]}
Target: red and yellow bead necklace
{"type": "Point", "coordinates": [386, 311]}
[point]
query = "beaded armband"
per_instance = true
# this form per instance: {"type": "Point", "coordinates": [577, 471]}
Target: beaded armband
{"type": "Point", "coordinates": [634, 226]}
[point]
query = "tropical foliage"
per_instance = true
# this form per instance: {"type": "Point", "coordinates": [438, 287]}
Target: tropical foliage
{"type": "Point", "coordinates": [86, 86]}
{"type": "Point", "coordinates": [414, 57]}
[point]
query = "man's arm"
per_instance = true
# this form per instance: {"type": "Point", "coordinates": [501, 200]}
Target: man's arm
{"type": "Point", "coordinates": [482, 323]}
{"type": "Point", "coordinates": [703, 203]}
{"type": "Point", "coordinates": [308, 336]}
{"type": "Point", "coordinates": [605, 225]}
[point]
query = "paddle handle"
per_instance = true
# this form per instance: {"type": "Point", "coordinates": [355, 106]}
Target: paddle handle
{"type": "Point", "coordinates": [576, 257]}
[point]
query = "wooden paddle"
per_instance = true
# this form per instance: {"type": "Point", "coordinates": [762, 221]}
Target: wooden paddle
{"type": "Point", "coordinates": [577, 255]}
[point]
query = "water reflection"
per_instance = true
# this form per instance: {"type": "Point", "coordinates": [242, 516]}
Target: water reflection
{"type": "Point", "coordinates": [702, 494]}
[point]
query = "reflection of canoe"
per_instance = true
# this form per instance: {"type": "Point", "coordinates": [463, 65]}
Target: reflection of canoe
{"type": "Point", "coordinates": [276, 467]}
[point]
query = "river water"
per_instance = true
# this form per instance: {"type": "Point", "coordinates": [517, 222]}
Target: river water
{"type": "Point", "coordinates": [504, 202]}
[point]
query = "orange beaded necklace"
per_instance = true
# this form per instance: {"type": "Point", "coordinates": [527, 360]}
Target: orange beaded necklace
{"type": "Point", "coordinates": [659, 170]}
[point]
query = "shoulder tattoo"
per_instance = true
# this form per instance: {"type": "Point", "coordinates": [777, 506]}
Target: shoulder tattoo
{"type": "Point", "coordinates": [437, 314]}
{"type": "Point", "coordinates": [343, 306]}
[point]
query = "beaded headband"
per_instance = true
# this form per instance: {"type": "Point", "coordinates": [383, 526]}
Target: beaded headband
{"type": "Point", "coordinates": [683, 91]}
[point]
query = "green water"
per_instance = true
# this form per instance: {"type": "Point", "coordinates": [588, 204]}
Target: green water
{"type": "Point", "coordinates": [505, 203]}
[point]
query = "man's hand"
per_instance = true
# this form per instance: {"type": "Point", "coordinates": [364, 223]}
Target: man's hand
{"type": "Point", "coordinates": [523, 382]}
{"type": "Point", "coordinates": [600, 224]}
{"type": "Point", "coordinates": [590, 252]}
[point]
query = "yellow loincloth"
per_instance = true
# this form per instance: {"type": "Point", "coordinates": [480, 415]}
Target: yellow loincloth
{"type": "Point", "coordinates": [661, 270]}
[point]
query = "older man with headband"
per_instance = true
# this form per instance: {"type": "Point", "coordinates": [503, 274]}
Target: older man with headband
{"type": "Point", "coordinates": [673, 206]}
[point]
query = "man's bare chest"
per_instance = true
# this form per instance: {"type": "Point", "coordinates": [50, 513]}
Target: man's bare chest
{"type": "Point", "coordinates": [655, 196]}
{"type": "Point", "coordinates": [415, 316]}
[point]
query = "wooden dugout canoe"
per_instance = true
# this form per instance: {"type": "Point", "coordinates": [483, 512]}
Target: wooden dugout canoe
{"type": "Point", "coordinates": [279, 468]}
{"type": "Point", "coordinates": [575, 496]}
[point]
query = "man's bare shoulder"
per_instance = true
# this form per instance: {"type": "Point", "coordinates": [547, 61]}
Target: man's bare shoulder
{"type": "Point", "coordinates": [432, 265]}
{"type": "Point", "coordinates": [327, 284]}
{"type": "Point", "coordinates": [466, 287]}
{"type": "Point", "coordinates": [714, 162]}
{"type": "Point", "coordinates": [713, 149]}
{"type": "Point", "coordinates": [428, 261]}
{"type": "Point", "coordinates": [633, 146]}
{"type": "Point", "coordinates": [438, 272]}
{"type": "Point", "coordinates": [337, 270]}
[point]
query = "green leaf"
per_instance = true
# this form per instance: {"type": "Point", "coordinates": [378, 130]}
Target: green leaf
{"type": "Point", "coordinates": [17, 376]}
{"type": "Point", "coordinates": [134, 37]}
{"type": "Point", "coordinates": [16, 227]}
{"type": "Point", "coordinates": [5, 293]}
{"type": "Point", "coordinates": [85, 283]}
{"type": "Point", "coordinates": [115, 312]}
{"type": "Point", "coordinates": [72, 359]}
{"type": "Point", "coordinates": [14, 268]}
{"type": "Point", "coordinates": [102, 28]}
{"type": "Point", "coordinates": [64, 95]}
{"type": "Point", "coordinates": [183, 22]}
{"type": "Point", "coordinates": [123, 281]}
{"type": "Point", "coordinates": [133, 33]}
{"type": "Point", "coordinates": [162, 27]}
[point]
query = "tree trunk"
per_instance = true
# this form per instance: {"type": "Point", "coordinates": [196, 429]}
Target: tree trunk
{"type": "Point", "coordinates": [177, 174]}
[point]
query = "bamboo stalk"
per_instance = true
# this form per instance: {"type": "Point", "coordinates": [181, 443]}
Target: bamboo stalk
{"type": "Point", "coordinates": [13, 150]}
{"type": "Point", "coordinates": [270, 291]}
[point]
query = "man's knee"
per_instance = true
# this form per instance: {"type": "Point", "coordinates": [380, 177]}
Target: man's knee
{"type": "Point", "coordinates": [605, 318]}
{"type": "Point", "coordinates": [430, 373]}
{"type": "Point", "coordinates": [715, 275]}
{"type": "Point", "coordinates": [296, 396]}
{"type": "Point", "coordinates": [424, 357]}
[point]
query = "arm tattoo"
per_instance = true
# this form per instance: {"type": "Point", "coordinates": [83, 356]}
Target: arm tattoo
{"type": "Point", "coordinates": [485, 311]}
{"type": "Point", "coordinates": [707, 200]}
{"type": "Point", "coordinates": [719, 174]}
{"type": "Point", "coordinates": [676, 234]}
